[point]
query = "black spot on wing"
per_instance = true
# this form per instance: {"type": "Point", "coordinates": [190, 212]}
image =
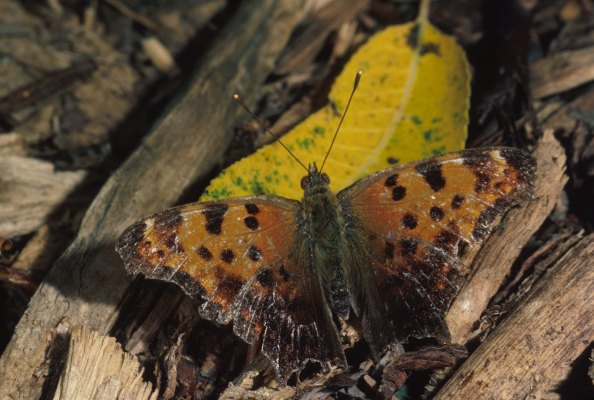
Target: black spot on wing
{"type": "Point", "coordinates": [457, 202]}
{"type": "Point", "coordinates": [409, 221]}
{"type": "Point", "coordinates": [228, 285]}
{"type": "Point", "coordinates": [481, 165]}
{"type": "Point", "coordinates": [391, 180]}
{"type": "Point", "coordinates": [398, 193]}
{"type": "Point", "coordinates": [252, 209]}
{"type": "Point", "coordinates": [251, 222]}
{"type": "Point", "coordinates": [172, 243]}
{"type": "Point", "coordinates": [228, 256]}
{"type": "Point", "coordinates": [204, 253]}
{"type": "Point", "coordinates": [254, 253]}
{"type": "Point", "coordinates": [265, 278]}
{"type": "Point", "coordinates": [215, 214]}
{"type": "Point", "coordinates": [436, 213]}
{"type": "Point", "coordinates": [431, 172]}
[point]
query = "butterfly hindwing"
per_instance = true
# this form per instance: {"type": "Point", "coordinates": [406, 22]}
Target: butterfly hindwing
{"type": "Point", "coordinates": [415, 218]}
{"type": "Point", "coordinates": [239, 255]}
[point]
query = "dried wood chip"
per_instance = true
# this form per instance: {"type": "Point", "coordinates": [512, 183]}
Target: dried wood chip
{"type": "Point", "coordinates": [30, 190]}
{"type": "Point", "coordinates": [97, 368]}
{"type": "Point", "coordinates": [159, 55]}
{"type": "Point", "coordinates": [561, 72]}
{"type": "Point", "coordinates": [12, 144]}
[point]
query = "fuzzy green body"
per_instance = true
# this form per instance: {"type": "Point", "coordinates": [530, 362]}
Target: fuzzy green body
{"type": "Point", "coordinates": [324, 233]}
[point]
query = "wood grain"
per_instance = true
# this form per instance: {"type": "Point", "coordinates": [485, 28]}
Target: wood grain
{"type": "Point", "coordinates": [30, 190]}
{"type": "Point", "coordinates": [97, 368]}
{"type": "Point", "coordinates": [561, 72]}
{"type": "Point", "coordinates": [88, 281]}
{"type": "Point", "coordinates": [532, 350]}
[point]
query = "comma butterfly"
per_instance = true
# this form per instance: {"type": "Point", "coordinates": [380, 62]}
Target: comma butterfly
{"type": "Point", "coordinates": [386, 247]}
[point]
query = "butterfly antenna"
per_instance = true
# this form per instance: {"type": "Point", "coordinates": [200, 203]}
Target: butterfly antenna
{"type": "Point", "coordinates": [245, 107]}
{"type": "Point", "coordinates": [357, 79]}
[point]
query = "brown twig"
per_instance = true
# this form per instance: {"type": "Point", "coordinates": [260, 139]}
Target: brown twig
{"type": "Point", "coordinates": [134, 16]}
{"type": "Point", "coordinates": [44, 87]}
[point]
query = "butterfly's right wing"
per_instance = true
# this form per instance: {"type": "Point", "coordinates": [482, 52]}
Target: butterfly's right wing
{"type": "Point", "coordinates": [415, 219]}
{"type": "Point", "coordinates": [240, 256]}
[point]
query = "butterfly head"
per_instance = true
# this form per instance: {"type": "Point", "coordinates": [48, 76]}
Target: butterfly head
{"type": "Point", "coordinates": [315, 181]}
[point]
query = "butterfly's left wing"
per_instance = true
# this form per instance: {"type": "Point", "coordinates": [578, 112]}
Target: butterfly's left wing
{"type": "Point", "coordinates": [414, 218]}
{"type": "Point", "coordinates": [240, 256]}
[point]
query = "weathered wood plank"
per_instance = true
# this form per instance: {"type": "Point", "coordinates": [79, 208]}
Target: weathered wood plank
{"type": "Point", "coordinates": [30, 190]}
{"type": "Point", "coordinates": [532, 350]}
{"type": "Point", "coordinates": [88, 281]}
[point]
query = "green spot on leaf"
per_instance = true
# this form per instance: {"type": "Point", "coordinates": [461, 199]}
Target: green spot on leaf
{"type": "Point", "coordinates": [416, 120]}
{"type": "Point", "coordinates": [438, 150]}
{"type": "Point", "coordinates": [218, 193]}
{"type": "Point", "coordinates": [319, 131]}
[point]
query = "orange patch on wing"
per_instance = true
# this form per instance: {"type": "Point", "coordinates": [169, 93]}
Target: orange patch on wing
{"type": "Point", "coordinates": [218, 246]}
{"type": "Point", "coordinates": [449, 194]}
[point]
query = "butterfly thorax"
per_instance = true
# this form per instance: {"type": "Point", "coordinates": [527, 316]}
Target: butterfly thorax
{"type": "Point", "coordinates": [324, 238]}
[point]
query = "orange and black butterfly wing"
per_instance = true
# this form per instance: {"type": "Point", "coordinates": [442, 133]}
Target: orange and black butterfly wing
{"type": "Point", "coordinates": [240, 256]}
{"type": "Point", "coordinates": [415, 219]}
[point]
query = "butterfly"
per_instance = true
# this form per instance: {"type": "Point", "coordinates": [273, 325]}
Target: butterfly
{"type": "Point", "coordinates": [386, 248]}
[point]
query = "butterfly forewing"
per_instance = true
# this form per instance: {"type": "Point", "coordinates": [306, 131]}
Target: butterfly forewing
{"type": "Point", "coordinates": [239, 255]}
{"type": "Point", "coordinates": [415, 218]}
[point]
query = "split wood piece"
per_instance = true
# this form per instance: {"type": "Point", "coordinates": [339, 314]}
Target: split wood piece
{"type": "Point", "coordinates": [237, 393]}
{"type": "Point", "coordinates": [12, 144]}
{"type": "Point", "coordinates": [30, 190]}
{"type": "Point", "coordinates": [494, 260]}
{"type": "Point", "coordinates": [392, 370]}
{"type": "Point", "coordinates": [532, 350]}
{"type": "Point", "coordinates": [561, 71]}
{"type": "Point", "coordinates": [573, 121]}
{"type": "Point", "coordinates": [305, 47]}
{"type": "Point", "coordinates": [88, 281]}
{"type": "Point", "coordinates": [41, 250]}
{"type": "Point", "coordinates": [567, 116]}
{"type": "Point", "coordinates": [97, 368]}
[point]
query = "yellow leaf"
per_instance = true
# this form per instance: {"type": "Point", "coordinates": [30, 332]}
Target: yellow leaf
{"type": "Point", "coordinates": [412, 103]}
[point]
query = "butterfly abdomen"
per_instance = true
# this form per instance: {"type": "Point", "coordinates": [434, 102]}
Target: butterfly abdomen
{"type": "Point", "coordinates": [324, 231]}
